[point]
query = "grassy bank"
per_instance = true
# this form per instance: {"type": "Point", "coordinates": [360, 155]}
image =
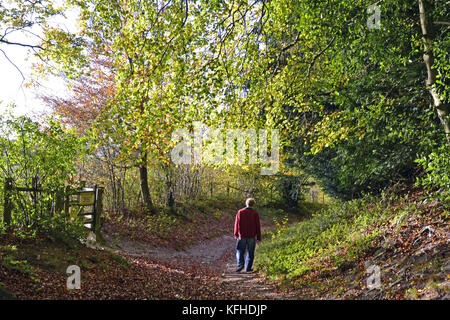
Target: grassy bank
{"type": "Point", "coordinates": [317, 243]}
{"type": "Point", "coordinates": [328, 251]}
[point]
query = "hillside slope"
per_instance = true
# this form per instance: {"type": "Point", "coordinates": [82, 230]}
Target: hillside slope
{"type": "Point", "coordinates": [396, 247]}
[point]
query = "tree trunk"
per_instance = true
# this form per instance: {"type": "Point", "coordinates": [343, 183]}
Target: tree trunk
{"type": "Point", "coordinates": [143, 180]}
{"type": "Point", "coordinates": [442, 108]}
{"type": "Point", "coordinates": [169, 185]}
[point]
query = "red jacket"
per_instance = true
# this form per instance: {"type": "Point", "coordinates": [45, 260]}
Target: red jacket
{"type": "Point", "coordinates": [247, 224]}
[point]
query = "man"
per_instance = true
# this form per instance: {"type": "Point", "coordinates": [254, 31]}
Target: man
{"type": "Point", "coordinates": [246, 227]}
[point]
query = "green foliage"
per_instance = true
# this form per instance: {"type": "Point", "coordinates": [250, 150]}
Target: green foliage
{"type": "Point", "coordinates": [352, 96]}
{"type": "Point", "coordinates": [124, 263]}
{"type": "Point", "coordinates": [349, 99]}
{"type": "Point", "coordinates": [62, 228]}
{"type": "Point", "coordinates": [8, 249]}
{"type": "Point", "coordinates": [46, 153]}
{"type": "Point", "coordinates": [22, 266]}
{"type": "Point", "coordinates": [291, 187]}
{"type": "Point", "coordinates": [271, 213]}
{"type": "Point", "coordinates": [441, 51]}
{"type": "Point", "coordinates": [162, 224]}
{"type": "Point", "coordinates": [373, 139]}
{"type": "Point", "coordinates": [32, 150]}
{"type": "Point", "coordinates": [281, 226]}
{"type": "Point", "coordinates": [437, 167]}
{"type": "Point", "coordinates": [35, 23]}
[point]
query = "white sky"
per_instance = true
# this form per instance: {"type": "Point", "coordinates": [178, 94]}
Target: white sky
{"type": "Point", "coordinates": [11, 86]}
{"type": "Point", "coordinates": [12, 89]}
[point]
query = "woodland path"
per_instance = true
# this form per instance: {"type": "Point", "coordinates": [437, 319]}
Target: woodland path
{"type": "Point", "coordinates": [216, 254]}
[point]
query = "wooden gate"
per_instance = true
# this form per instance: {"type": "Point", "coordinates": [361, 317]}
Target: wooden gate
{"type": "Point", "coordinates": [85, 202]}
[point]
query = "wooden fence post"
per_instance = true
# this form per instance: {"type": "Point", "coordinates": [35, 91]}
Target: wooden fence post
{"type": "Point", "coordinates": [34, 185]}
{"type": "Point", "coordinates": [94, 209]}
{"type": "Point", "coordinates": [211, 189]}
{"type": "Point", "coordinates": [66, 201]}
{"type": "Point", "coordinates": [98, 210]}
{"type": "Point", "coordinates": [7, 204]}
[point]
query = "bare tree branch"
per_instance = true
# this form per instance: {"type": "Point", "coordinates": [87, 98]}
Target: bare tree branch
{"type": "Point", "coordinates": [318, 55]}
{"type": "Point", "coordinates": [15, 66]}
{"type": "Point", "coordinates": [442, 22]}
{"type": "Point", "coordinates": [21, 44]}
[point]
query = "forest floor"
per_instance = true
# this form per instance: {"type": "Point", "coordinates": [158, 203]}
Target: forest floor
{"type": "Point", "coordinates": [132, 262]}
{"type": "Point", "coordinates": [193, 259]}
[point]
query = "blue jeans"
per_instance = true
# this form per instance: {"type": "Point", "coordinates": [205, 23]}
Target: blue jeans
{"type": "Point", "coordinates": [241, 245]}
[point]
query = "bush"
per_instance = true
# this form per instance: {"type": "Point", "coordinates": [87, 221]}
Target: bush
{"type": "Point", "coordinates": [437, 167]}
{"type": "Point", "coordinates": [31, 151]}
{"type": "Point", "coordinates": [62, 228]}
{"type": "Point", "coordinates": [9, 262]}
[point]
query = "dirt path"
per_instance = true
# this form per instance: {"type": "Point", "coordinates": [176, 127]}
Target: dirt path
{"type": "Point", "coordinates": [216, 254]}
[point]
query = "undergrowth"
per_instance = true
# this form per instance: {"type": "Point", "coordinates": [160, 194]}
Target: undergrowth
{"type": "Point", "coordinates": [333, 238]}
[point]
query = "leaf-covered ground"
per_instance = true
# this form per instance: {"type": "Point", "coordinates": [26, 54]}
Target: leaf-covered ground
{"type": "Point", "coordinates": [135, 264]}
{"type": "Point", "coordinates": [107, 275]}
{"type": "Point", "coordinates": [412, 253]}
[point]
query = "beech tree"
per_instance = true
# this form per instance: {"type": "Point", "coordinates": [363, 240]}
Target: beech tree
{"type": "Point", "coordinates": [167, 69]}
{"type": "Point", "coordinates": [435, 47]}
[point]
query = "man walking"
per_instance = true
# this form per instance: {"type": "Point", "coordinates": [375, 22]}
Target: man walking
{"type": "Point", "coordinates": [247, 227]}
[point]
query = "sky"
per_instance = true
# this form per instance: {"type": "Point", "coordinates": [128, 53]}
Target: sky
{"type": "Point", "coordinates": [12, 89]}
{"type": "Point", "coordinates": [12, 85]}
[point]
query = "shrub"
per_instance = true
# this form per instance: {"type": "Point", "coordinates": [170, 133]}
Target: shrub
{"type": "Point", "coordinates": [62, 228]}
{"type": "Point", "coordinates": [437, 167]}
{"type": "Point", "coordinates": [32, 151]}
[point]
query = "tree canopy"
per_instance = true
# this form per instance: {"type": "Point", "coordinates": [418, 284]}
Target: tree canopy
{"type": "Point", "coordinates": [345, 82]}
